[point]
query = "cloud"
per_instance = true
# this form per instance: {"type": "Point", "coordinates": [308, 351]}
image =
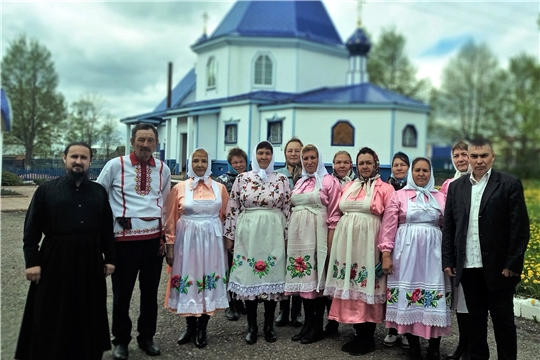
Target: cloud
{"type": "Point", "coordinates": [446, 46]}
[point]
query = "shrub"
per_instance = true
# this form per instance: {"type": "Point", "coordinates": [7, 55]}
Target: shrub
{"type": "Point", "coordinates": [10, 179]}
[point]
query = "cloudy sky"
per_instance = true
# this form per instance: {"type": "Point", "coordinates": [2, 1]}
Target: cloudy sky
{"type": "Point", "coordinates": [120, 49]}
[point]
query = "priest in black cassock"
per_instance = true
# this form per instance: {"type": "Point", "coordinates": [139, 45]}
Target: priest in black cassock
{"type": "Point", "coordinates": [66, 310]}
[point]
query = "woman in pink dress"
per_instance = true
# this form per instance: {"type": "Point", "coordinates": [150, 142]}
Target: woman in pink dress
{"type": "Point", "coordinates": [358, 291]}
{"type": "Point", "coordinates": [314, 217]}
{"type": "Point", "coordinates": [418, 294]}
{"type": "Point", "coordinates": [195, 248]}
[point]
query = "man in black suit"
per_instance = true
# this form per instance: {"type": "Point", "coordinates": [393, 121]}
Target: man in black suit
{"type": "Point", "coordinates": [485, 235]}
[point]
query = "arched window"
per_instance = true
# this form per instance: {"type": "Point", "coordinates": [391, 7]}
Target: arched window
{"type": "Point", "coordinates": [342, 134]}
{"type": "Point", "coordinates": [409, 136]}
{"type": "Point", "coordinates": [264, 71]}
{"type": "Point", "coordinates": [211, 73]}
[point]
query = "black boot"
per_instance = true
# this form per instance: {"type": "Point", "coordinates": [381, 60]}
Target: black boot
{"type": "Point", "coordinates": [309, 310]}
{"type": "Point", "coordinates": [461, 348]}
{"type": "Point", "coordinates": [269, 313]}
{"type": "Point", "coordinates": [251, 309]}
{"type": "Point", "coordinates": [239, 307]}
{"type": "Point", "coordinates": [190, 332]}
{"type": "Point", "coordinates": [433, 352]}
{"type": "Point", "coordinates": [415, 353]}
{"type": "Point", "coordinates": [296, 311]}
{"type": "Point", "coordinates": [230, 313]}
{"type": "Point", "coordinates": [316, 332]}
{"type": "Point", "coordinates": [366, 339]}
{"type": "Point", "coordinates": [332, 326]}
{"type": "Point", "coordinates": [283, 317]}
{"type": "Point", "coordinates": [350, 345]}
{"type": "Point", "coordinates": [200, 339]}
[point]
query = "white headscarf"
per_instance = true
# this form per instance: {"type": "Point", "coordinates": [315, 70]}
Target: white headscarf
{"type": "Point", "coordinates": [423, 192]}
{"type": "Point", "coordinates": [458, 173]}
{"type": "Point", "coordinates": [318, 174]}
{"type": "Point", "coordinates": [263, 173]}
{"type": "Point", "coordinates": [191, 173]}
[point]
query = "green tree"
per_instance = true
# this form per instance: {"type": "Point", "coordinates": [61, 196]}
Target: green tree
{"type": "Point", "coordinates": [519, 127]}
{"type": "Point", "coordinates": [85, 119]}
{"type": "Point", "coordinates": [390, 67]}
{"type": "Point", "coordinates": [30, 81]}
{"type": "Point", "coordinates": [470, 91]}
{"type": "Point", "coordinates": [109, 136]}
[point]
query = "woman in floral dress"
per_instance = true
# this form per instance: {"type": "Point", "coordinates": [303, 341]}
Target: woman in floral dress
{"type": "Point", "coordinates": [358, 292]}
{"type": "Point", "coordinates": [255, 227]}
{"type": "Point", "coordinates": [314, 217]}
{"type": "Point", "coordinates": [418, 293]}
{"type": "Point", "coordinates": [195, 248]}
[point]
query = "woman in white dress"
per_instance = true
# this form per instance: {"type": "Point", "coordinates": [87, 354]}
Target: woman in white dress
{"type": "Point", "coordinates": [418, 292]}
{"type": "Point", "coordinates": [195, 248]}
{"type": "Point", "coordinates": [314, 217]}
{"type": "Point", "coordinates": [256, 230]}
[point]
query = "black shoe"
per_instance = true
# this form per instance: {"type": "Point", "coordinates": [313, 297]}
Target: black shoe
{"type": "Point", "coordinates": [296, 318]}
{"type": "Point", "coordinates": [149, 347]}
{"type": "Point", "coordinates": [415, 353]}
{"type": "Point", "coordinates": [303, 332]}
{"type": "Point", "coordinates": [251, 335]}
{"type": "Point", "coordinates": [270, 334]}
{"type": "Point", "coordinates": [363, 348]}
{"type": "Point", "coordinates": [200, 338]}
{"type": "Point", "coordinates": [331, 328]}
{"type": "Point", "coordinates": [313, 335]}
{"type": "Point", "coordinates": [231, 314]}
{"type": "Point", "coordinates": [283, 318]}
{"type": "Point", "coordinates": [191, 330]}
{"type": "Point", "coordinates": [120, 352]}
{"type": "Point", "coordinates": [433, 354]}
{"type": "Point", "coordinates": [351, 345]}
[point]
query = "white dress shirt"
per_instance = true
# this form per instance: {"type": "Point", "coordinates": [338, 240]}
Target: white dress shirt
{"type": "Point", "coordinates": [473, 252]}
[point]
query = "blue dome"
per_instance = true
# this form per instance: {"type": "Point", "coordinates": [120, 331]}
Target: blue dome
{"type": "Point", "coordinates": [307, 20]}
{"type": "Point", "coordinates": [358, 43]}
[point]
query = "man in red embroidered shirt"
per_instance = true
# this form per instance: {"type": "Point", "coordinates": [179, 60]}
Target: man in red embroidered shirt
{"type": "Point", "coordinates": [138, 186]}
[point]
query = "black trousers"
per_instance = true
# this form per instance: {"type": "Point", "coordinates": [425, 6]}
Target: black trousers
{"type": "Point", "coordinates": [134, 258]}
{"type": "Point", "coordinates": [500, 304]}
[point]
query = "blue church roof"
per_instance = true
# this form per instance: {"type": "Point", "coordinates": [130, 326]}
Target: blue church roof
{"type": "Point", "coordinates": [180, 91]}
{"type": "Point", "coordinates": [292, 19]}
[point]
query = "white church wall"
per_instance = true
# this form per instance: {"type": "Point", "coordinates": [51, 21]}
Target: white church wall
{"type": "Point", "coordinates": [419, 121]}
{"type": "Point", "coordinates": [327, 70]}
{"type": "Point", "coordinates": [288, 125]}
{"type": "Point", "coordinates": [238, 115]}
{"type": "Point", "coordinates": [221, 57]}
{"type": "Point", "coordinates": [371, 128]}
{"type": "Point", "coordinates": [207, 132]}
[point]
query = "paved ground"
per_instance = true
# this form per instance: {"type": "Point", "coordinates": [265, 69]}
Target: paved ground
{"type": "Point", "coordinates": [226, 339]}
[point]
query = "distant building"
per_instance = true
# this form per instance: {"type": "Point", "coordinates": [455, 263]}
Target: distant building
{"type": "Point", "coordinates": [272, 70]}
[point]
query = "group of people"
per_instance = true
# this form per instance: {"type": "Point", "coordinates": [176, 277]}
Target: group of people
{"type": "Point", "coordinates": [367, 251]}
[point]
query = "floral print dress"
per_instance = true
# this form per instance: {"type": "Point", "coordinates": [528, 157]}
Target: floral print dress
{"type": "Point", "coordinates": [256, 219]}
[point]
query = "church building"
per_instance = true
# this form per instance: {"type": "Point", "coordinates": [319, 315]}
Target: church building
{"type": "Point", "coordinates": [272, 70]}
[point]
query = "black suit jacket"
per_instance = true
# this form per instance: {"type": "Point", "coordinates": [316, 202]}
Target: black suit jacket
{"type": "Point", "coordinates": [503, 225]}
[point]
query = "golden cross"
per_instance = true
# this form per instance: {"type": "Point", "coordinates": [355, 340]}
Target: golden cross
{"type": "Point", "coordinates": [359, 9]}
{"type": "Point", "coordinates": [205, 21]}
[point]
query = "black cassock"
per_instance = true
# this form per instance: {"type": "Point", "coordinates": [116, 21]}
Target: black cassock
{"type": "Point", "coordinates": [65, 316]}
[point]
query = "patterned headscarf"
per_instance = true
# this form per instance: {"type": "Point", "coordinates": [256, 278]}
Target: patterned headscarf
{"type": "Point", "coordinates": [263, 173]}
{"type": "Point", "coordinates": [426, 191]}
{"type": "Point", "coordinates": [402, 156]}
{"type": "Point", "coordinates": [318, 174]}
{"type": "Point", "coordinates": [368, 183]}
{"type": "Point", "coordinates": [191, 173]}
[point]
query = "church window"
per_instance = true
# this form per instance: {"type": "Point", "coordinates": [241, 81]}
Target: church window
{"type": "Point", "coordinates": [264, 70]}
{"type": "Point", "coordinates": [211, 73]}
{"type": "Point", "coordinates": [409, 136]}
{"type": "Point", "coordinates": [342, 134]}
{"type": "Point", "coordinates": [275, 132]}
{"type": "Point", "coordinates": [231, 133]}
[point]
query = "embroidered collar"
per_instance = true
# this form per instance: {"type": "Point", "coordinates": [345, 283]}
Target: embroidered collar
{"type": "Point", "coordinates": [135, 161]}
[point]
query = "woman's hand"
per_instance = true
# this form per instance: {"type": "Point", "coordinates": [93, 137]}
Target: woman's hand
{"type": "Point", "coordinates": [387, 263]}
{"type": "Point", "coordinates": [169, 254]}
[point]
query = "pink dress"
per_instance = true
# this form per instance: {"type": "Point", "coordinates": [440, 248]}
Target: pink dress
{"type": "Point", "coordinates": [358, 294]}
{"type": "Point", "coordinates": [418, 292]}
{"type": "Point", "coordinates": [314, 211]}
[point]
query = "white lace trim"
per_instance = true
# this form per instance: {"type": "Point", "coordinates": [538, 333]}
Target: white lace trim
{"type": "Point", "coordinates": [355, 295]}
{"type": "Point", "coordinates": [303, 287]}
{"type": "Point", "coordinates": [198, 308]}
{"type": "Point", "coordinates": [419, 316]}
{"type": "Point", "coordinates": [256, 290]}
